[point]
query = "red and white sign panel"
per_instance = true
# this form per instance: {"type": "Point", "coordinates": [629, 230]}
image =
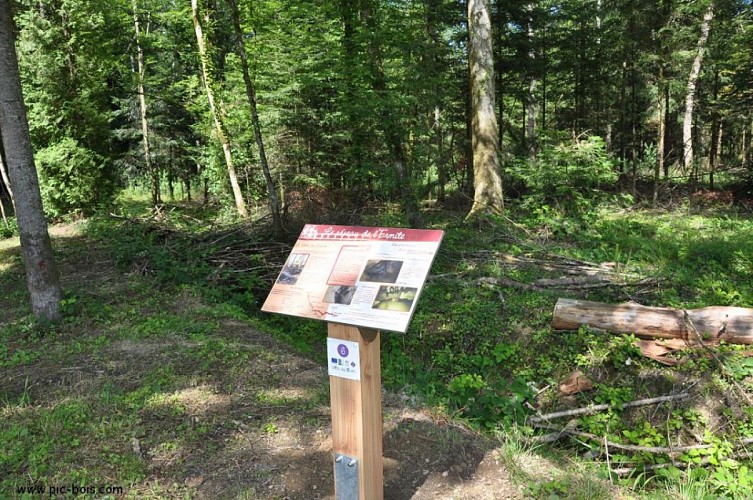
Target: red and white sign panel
{"type": "Point", "coordinates": [361, 276]}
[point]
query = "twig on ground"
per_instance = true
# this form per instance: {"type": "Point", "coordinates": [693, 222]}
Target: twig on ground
{"type": "Point", "coordinates": [669, 450]}
{"type": "Point", "coordinates": [596, 408]}
{"type": "Point", "coordinates": [626, 471]}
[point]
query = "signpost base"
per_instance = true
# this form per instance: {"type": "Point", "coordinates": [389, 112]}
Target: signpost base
{"type": "Point", "coordinates": [357, 419]}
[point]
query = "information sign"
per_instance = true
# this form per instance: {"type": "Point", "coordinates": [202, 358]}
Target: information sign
{"type": "Point", "coordinates": [362, 276]}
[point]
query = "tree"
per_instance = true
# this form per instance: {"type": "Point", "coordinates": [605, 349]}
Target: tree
{"type": "Point", "coordinates": [41, 272]}
{"type": "Point", "coordinates": [695, 71]}
{"type": "Point", "coordinates": [70, 76]}
{"type": "Point", "coordinates": [220, 128]}
{"type": "Point", "coordinates": [487, 182]}
{"type": "Point", "coordinates": [274, 201]}
{"type": "Point", "coordinates": [140, 72]}
{"type": "Point", "coordinates": [532, 83]}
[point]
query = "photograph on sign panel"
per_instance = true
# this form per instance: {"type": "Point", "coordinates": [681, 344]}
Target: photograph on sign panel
{"type": "Point", "coordinates": [339, 294]}
{"type": "Point", "coordinates": [292, 268]}
{"type": "Point", "coordinates": [382, 271]}
{"type": "Point", "coordinates": [395, 298]}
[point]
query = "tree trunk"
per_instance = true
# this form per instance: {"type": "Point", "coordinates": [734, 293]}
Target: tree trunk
{"type": "Point", "coordinates": [487, 182]}
{"type": "Point", "coordinates": [744, 142]}
{"type": "Point", "coordinates": [274, 201]}
{"type": "Point", "coordinates": [431, 11]}
{"type": "Point", "coordinates": [715, 150]}
{"type": "Point", "coordinates": [219, 126]}
{"type": "Point", "coordinates": [501, 24]}
{"type": "Point", "coordinates": [531, 97]}
{"type": "Point", "coordinates": [660, 144]}
{"type": "Point", "coordinates": [141, 71]}
{"type": "Point", "coordinates": [623, 116]}
{"type": "Point", "coordinates": [664, 151]}
{"type": "Point", "coordinates": [695, 71]}
{"type": "Point", "coordinates": [731, 324]}
{"type": "Point", "coordinates": [41, 272]}
{"type": "Point", "coordinates": [441, 163]}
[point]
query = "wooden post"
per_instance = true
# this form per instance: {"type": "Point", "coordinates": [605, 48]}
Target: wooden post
{"type": "Point", "coordinates": [357, 413]}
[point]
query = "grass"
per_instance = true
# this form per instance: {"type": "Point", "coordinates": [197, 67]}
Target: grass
{"type": "Point", "coordinates": [138, 364]}
{"type": "Point", "coordinates": [154, 356]}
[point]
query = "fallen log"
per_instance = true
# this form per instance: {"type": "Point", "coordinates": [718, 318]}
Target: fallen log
{"type": "Point", "coordinates": [734, 325]}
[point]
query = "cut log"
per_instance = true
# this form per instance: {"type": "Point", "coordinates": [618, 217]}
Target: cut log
{"type": "Point", "coordinates": [734, 325]}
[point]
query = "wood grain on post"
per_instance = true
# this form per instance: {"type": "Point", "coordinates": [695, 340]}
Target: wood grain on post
{"type": "Point", "coordinates": [734, 325]}
{"type": "Point", "coordinates": [357, 411]}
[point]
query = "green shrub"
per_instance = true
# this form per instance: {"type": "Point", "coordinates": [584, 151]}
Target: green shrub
{"type": "Point", "coordinates": [569, 176]}
{"type": "Point", "coordinates": [10, 229]}
{"type": "Point", "coordinates": [73, 179]}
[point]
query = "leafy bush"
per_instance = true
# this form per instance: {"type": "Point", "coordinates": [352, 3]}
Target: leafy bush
{"type": "Point", "coordinates": [73, 179]}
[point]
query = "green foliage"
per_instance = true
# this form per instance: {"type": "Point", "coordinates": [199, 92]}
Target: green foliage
{"type": "Point", "coordinates": [489, 405]}
{"type": "Point", "coordinates": [581, 167]}
{"type": "Point", "coordinates": [566, 179]}
{"type": "Point", "coordinates": [10, 229]}
{"type": "Point", "coordinates": [549, 490]}
{"type": "Point", "coordinates": [73, 179]}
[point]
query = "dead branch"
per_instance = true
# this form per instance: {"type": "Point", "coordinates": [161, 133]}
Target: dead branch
{"type": "Point", "coordinates": [510, 283]}
{"type": "Point", "coordinates": [597, 408]}
{"type": "Point", "coordinates": [669, 450]}
{"type": "Point", "coordinates": [626, 471]}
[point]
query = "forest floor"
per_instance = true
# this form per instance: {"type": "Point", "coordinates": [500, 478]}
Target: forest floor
{"type": "Point", "coordinates": [165, 381]}
{"type": "Point", "coordinates": [167, 397]}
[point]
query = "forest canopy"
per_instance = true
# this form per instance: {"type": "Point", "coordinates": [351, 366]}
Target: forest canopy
{"type": "Point", "coordinates": [370, 99]}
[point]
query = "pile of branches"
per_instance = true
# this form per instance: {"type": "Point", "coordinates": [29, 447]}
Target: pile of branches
{"type": "Point", "coordinates": [226, 255]}
{"type": "Point", "coordinates": [576, 275]}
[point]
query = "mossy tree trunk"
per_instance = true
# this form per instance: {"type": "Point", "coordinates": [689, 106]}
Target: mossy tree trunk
{"type": "Point", "coordinates": [221, 130]}
{"type": "Point", "coordinates": [487, 181]}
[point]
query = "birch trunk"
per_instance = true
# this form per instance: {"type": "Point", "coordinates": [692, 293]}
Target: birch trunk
{"type": "Point", "coordinates": [695, 71]}
{"type": "Point", "coordinates": [219, 126]}
{"type": "Point", "coordinates": [41, 272]}
{"type": "Point", "coordinates": [274, 201]}
{"type": "Point", "coordinates": [487, 182]}
{"type": "Point", "coordinates": [715, 151]}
